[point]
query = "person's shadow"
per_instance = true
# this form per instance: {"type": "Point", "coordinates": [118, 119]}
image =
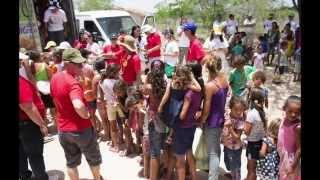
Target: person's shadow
{"type": "Point", "coordinates": [56, 175]}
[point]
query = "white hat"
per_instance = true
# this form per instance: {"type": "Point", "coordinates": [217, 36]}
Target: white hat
{"type": "Point", "coordinates": [147, 28]}
{"type": "Point", "coordinates": [23, 56]}
{"type": "Point", "coordinates": [64, 45]}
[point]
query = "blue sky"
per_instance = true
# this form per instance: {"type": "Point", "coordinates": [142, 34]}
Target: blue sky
{"type": "Point", "coordinates": [148, 5]}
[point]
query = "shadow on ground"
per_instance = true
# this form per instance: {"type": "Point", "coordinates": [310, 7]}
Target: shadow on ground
{"type": "Point", "coordinates": [56, 175]}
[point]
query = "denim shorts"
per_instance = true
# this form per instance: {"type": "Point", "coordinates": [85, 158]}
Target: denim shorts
{"type": "Point", "coordinates": [76, 143]}
{"type": "Point", "coordinates": [156, 140]}
{"type": "Point", "coordinates": [232, 158]}
{"type": "Point", "coordinates": [253, 149]}
{"type": "Point", "coordinates": [182, 140]}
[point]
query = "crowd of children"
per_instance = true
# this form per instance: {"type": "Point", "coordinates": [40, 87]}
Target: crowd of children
{"type": "Point", "coordinates": [156, 113]}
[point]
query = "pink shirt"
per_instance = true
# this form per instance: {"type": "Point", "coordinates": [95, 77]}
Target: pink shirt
{"type": "Point", "coordinates": [226, 138]}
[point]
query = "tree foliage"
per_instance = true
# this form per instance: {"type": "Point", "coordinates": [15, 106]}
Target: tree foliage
{"type": "Point", "coordinates": [89, 5]}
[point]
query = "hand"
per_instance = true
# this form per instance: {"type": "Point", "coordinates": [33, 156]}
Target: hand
{"type": "Point", "coordinates": [44, 130]}
{"type": "Point", "coordinates": [198, 115]}
{"type": "Point", "coordinates": [159, 109]}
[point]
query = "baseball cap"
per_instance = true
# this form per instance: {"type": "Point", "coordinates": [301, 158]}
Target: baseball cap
{"type": "Point", "coordinates": [190, 26]}
{"type": "Point", "coordinates": [64, 45]}
{"type": "Point", "coordinates": [50, 44]}
{"type": "Point", "coordinates": [73, 55]}
{"type": "Point", "coordinates": [54, 4]}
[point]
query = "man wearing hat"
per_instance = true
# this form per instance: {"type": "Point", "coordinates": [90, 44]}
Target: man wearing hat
{"type": "Point", "coordinates": [153, 47]}
{"type": "Point", "coordinates": [267, 25]}
{"type": "Point", "coordinates": [32, 127]}
{"type": "Point", "coordinates": [293, 24]}
{"type": "Point", "coordinates": [195, 51]}
{"type": "Point", "coordinates": [113, 52]}
{"type": "Point", "coordinates": [130, 61]}
{"type": "Point", "coordinates": [50, 46]}
{"type": "Point", "coordinates": [76, 134]}
{"type": "Point", "coordinates": [55, 22]}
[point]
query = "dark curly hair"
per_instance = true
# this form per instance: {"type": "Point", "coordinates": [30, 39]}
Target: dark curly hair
{"type": "Point", "coordinates": [196, 69]}
{"type": "Point", "coordinates": [183, 74]}
{"type": "Point", "coordinates": [156, 78]}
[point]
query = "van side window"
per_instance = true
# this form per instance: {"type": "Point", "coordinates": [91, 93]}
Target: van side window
{"type": "Point", "coordinates": [91, 27]}
{"type": "Point", "coordinates": [150, 20]}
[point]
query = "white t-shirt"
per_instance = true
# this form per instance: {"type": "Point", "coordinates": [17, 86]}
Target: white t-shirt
{"type": "Point", "coordinates": [171, 48]}
{"type": "Point", "coordinates": [250, 25]}
{"type": "Point", "coordinates": [294, 25]}
{"type": "Point", "coordinates": [215, 43]}
{"type": "Point", "coordinates": [231, 26]}
{"type": "Point", "coordinates": [107, 88]}
{"type": "Point", "coordinates": [283, 61]}
{"type": "Point", "coordinates": [183, 39]}
{"type": "Point", "coordinates": [94, 48]}
{"type": "Point", "coordinates": [258, 61]}
{"type": "Point", "coordinates": [257, 130]}
{"type": "Point", "coordinates": [267, 25]}
{"type": "Point", "coordinates": [218, 26]}
{"type": "Point", "coordinates": [55, 20]}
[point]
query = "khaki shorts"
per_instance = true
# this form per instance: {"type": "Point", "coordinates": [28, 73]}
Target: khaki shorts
{"type": "Point", "coordinates": [113, 111]}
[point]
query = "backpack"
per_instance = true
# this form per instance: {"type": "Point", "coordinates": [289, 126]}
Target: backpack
{"type": "Point", "coordinates": [173, 107]}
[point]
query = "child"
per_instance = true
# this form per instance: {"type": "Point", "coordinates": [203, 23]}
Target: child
{"type": "Point", "coordinates": [258, 58]}
{"type": "Point", "coordinates": [282, 64]}
{"type": "Point", "coordinates": [240, 75]}
{"type": "Point", "coordinates": [289, 146]}
{"type": "Point", "coordinates": [254, 128]}
{"type": "Point", "coordinates": [259, 78]}
{"type": "Point", "coordinates": [231, 133]}
{"type": "Point", "coordinates": [113, 109]}
{"type": "Point", "coordinates": [238, 48]}
{"type": "Point", "coordinates": [268, 165]}
{"type": "Point", "coordinates": [182, 81]}
{"type": "Point", "coordinates": [120, 90]}
{"type": "Point", "coordinates": [297, 67]}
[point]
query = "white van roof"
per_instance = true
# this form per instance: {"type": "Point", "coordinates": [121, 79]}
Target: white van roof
{"type": "Point", "coordinates": [103, 13]}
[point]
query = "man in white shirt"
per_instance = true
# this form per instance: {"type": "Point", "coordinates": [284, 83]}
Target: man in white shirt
{"type": "Point", "coordinates": [183, 41]}
{"type": "Point", "coordinates": [293, 24]}
{"type": "Point", "coordinates": [267, 25]}
{"type": "Point", "coordinates": [249, 25]}
{"type": "Point", "coordinates": [55, 22]}
{"type": "Point", "coordinates": [231, 26]}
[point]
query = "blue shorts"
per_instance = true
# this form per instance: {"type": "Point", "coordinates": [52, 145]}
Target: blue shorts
{"type": "Point", "coordinates": [232, 158]}
{"type": "Point", "coordinates": [182, 140]}
{"type": "Point", "coordinates": [253, 149]}
{"type": "Point", "coordinates": [156, 140]}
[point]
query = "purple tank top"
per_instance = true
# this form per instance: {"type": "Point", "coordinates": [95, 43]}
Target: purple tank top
{"type": "Point", "coordinates": [217, 109]}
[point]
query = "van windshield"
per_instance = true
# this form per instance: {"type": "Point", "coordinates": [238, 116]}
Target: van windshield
{"type": "Point", "coordinates": [112, 25]}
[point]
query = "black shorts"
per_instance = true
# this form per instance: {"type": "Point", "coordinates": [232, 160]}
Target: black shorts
{"type": "Point", "coordinates": [47, 100]}
{"type": "Point", "coordinates": [253, 149]}
{"type": "Point", "coordinates": [76, 143]}
{"type": "Point", "coordinates": [182, 140]}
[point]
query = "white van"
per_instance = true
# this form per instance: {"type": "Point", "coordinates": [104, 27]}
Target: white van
{"type": "Point", "coordinates": [105, 23]}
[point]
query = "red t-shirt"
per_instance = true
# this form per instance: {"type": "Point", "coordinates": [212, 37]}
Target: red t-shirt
{"type": "Point", "coordinates": [195, 51]}
{"type": "Point", "coordinates": [29, 93]}
{"type": "Point", "coordinates": [118, 50]}
{"type": "Point", "coordinates": [130, 67]}
{"type": "Point", "coordinates": [153, 40]}
{"type": "Point", "coordinates": [64, 88]}
{"type": "Point", "coordinates": [83, 44]}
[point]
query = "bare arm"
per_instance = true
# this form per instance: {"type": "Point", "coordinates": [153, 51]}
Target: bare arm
{"type": "Point", "coordinates": [80, 108]}
{"type": "Point", "coordinates": [185, 108]}
{"type": "Point", "coordinates": [247, 128]}
{"type": "Point", "coordinates": [263, 150]}
{"type": "Point", "coordinates": [158, 47]}
{"type": "Point", "coordinates": [297, 155]}
{"type": "Point", "coordinates": [165, 97]}
{"type": "Point", "coordinates": [209, 91]}
{"type": "Point", "coordinates": [194, 86]}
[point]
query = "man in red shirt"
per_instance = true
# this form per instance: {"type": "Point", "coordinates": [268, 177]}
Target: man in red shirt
{"type": "Point", "coordinates": [195, 51]}
{"type": "Point", "coordinates": [32, 128]}
{"type": "Point", "coordinates": [153, 47]}
{"type": "Point", "coordinates": [76, 134]}
{"type": "Point", "coordinates": [113, 52]}
{"type": "Point", "coordinates": [130, 62]}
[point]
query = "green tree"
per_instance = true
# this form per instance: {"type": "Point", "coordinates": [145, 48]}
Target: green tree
{"type": "Point", "coordinates": [89, 5]}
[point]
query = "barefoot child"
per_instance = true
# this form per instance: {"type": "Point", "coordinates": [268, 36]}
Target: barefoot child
{"type": "Point", "coordinates": [113, 109]}
{"type": "Point", "coordinates": [231, 133]}
{"type": "Point", "coordinates": [282, 64]}
{"type": "Point", "coordinates": [289, 147]}
{"type": "Point", "coordinates": [268, 165]}
{"type": "Point", "coordinates": [254, 128]}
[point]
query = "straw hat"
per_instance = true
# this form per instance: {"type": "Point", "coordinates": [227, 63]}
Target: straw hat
{"type": "Point", "coordinates": [129, 43]}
